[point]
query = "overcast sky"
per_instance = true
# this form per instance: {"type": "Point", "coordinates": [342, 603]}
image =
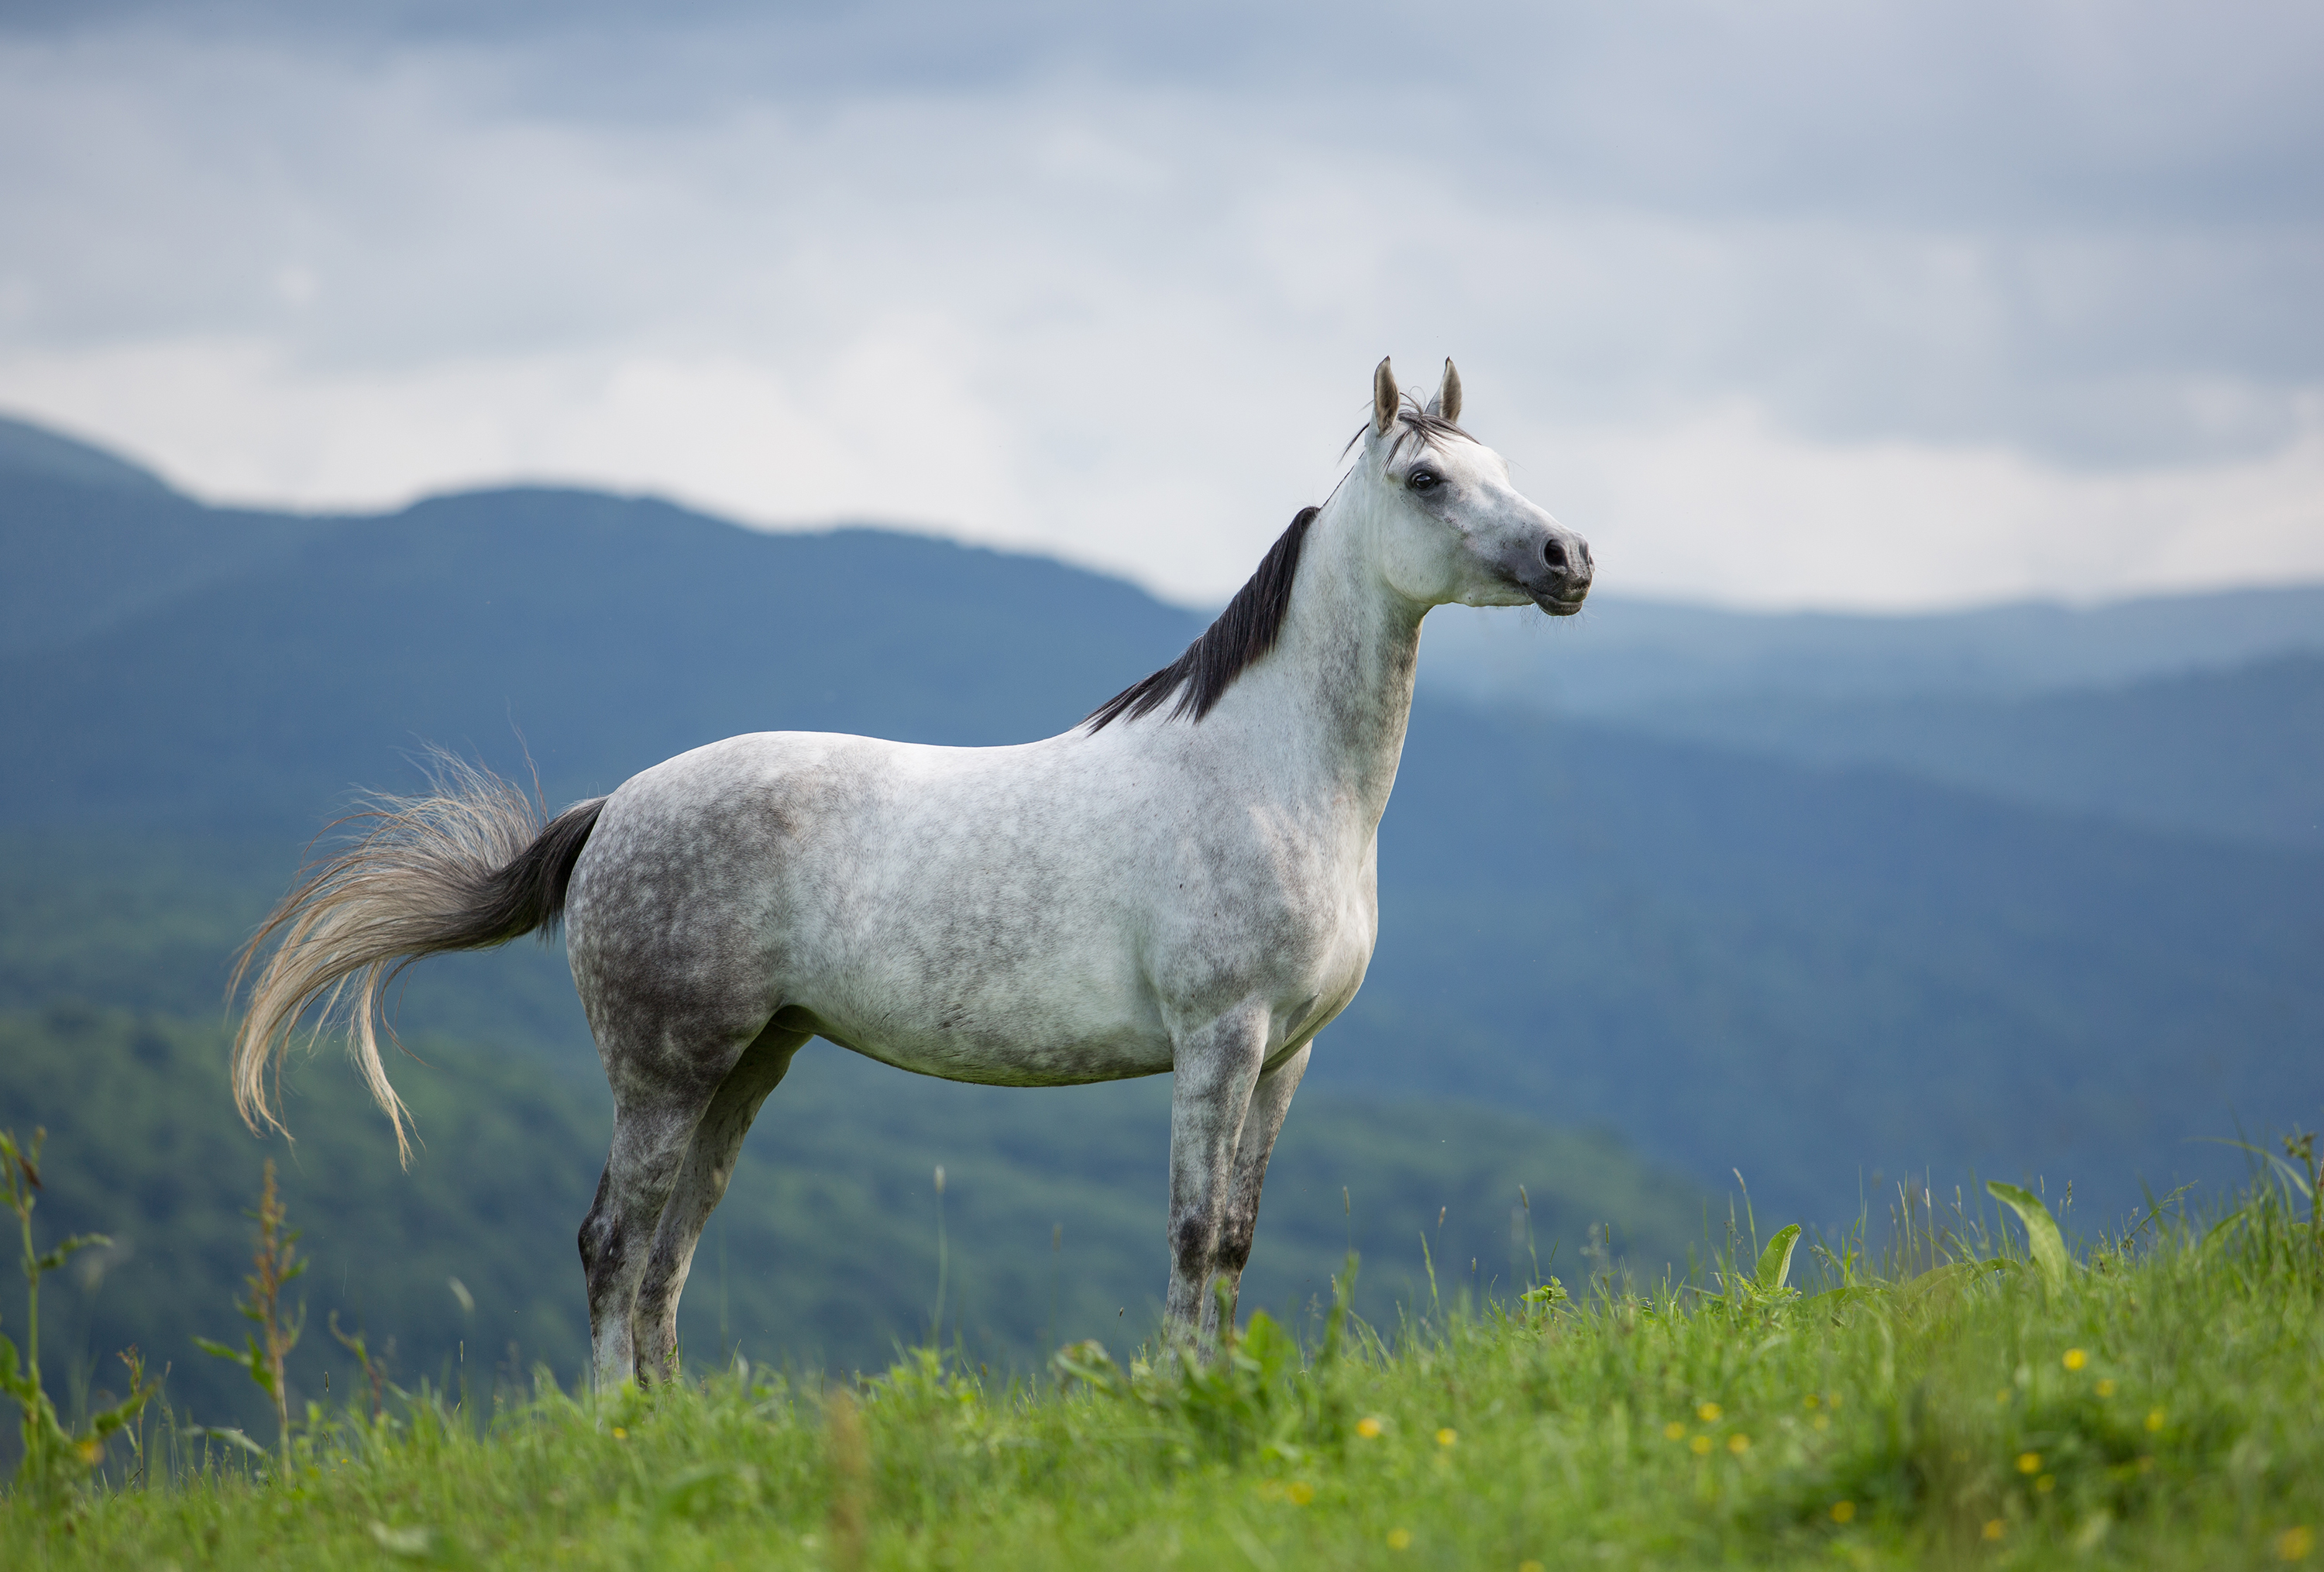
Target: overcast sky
{"type": "Point", "coordinates": [1780, 304]}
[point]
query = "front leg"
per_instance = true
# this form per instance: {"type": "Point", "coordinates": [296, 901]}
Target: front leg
{"type": "Point", "coordinates": [1269, 1102]}
{"type": "Point", "coordinates": [1214, 1066]}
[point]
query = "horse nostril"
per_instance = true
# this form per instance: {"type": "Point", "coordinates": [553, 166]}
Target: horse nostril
{"type": "Point", "coordinates": [1554, 555]}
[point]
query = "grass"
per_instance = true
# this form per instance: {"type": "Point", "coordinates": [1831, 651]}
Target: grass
{"type": "Point", "coordinates": [2155, 1400]}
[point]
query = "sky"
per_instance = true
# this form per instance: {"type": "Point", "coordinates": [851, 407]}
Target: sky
{"type": "Point", "coordinates": [1786, 304]}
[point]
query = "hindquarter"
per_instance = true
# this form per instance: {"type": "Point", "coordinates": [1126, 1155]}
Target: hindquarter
{"type": "Point", "coordinates": [667, 919]}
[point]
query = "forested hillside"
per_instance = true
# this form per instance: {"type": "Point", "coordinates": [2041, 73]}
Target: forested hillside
{"type": "Point", "coordinates": [2200, 714]}
{"type": "Point", "coordinates": [1630, 658]}
{"type": "Point", "coordinates": [1828, 972]}
{"type": "Point", "coordinates": [2235, 753]}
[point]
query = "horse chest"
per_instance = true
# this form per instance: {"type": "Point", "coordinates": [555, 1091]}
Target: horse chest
{"type": "Point", "coordinates": [1287, 912]}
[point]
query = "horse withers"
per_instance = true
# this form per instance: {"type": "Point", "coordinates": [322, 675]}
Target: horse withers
{"type": "Point", "coordinates": [1184, 881]}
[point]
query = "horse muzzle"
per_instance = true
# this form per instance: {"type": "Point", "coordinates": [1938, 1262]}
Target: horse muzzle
{"type": "Point", "coordinates": [1561, 580]}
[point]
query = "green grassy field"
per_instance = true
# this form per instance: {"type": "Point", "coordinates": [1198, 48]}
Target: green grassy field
{"type": "Point", "coordinates": [2152, 1400]}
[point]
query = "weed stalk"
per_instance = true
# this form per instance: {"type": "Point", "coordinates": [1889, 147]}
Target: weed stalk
{"type": "Point", "coordinates": [372, 1372]}
{"type": "Point", "coordinates": [274, 1264]}
{"type": "Point", "coordinates": [51, 1452]}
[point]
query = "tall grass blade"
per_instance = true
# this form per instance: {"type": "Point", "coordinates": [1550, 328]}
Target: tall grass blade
{"type": "Point", "coordinates": [2042, 1239]}
{"type": "Point", "coordinates": [1775, 1269]}
{"type": "Point", "coordinates": [2298, 1182]}
{"type": "Point", "coordinates": [229, 1435]}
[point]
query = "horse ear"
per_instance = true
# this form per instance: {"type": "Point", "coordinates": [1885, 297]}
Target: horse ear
{"type": "Point", "coordinates": [1383, 397]}
{"type": "Point", "coordinates": [1446, 404]}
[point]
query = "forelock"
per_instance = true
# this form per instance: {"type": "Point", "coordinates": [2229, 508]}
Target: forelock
{"type": "Point", "coordinates": [1415, 425]}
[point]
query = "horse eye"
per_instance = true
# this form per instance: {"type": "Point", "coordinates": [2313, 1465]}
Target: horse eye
{"type": "Point", "coordinates": [1421, 479]}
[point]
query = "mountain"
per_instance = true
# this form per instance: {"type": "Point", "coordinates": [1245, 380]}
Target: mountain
{"type": "Point", "coordinates": [596, 633]}
{"type": "Point", "coordinates": [91, 539]}
{"type": "Point", "coordinates": [2202, 714]}
{"type": "Point", "coordinates": [32, 454]}
{"type": "Point", "coordinates": [1819, 975]}
{"type": "Point", "coordinates": [2234, 752]}
{"type": "Point", "coordinates": [1623, 657]}
{"type": "Point", "coordinates": [1827, 970]}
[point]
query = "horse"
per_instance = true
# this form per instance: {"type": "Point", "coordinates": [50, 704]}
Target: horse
{"type": "Point", "coordinates": [1185, 880]}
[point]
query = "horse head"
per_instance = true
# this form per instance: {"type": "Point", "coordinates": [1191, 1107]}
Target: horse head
{"type": "Point", "coordinates": [1449, 527]}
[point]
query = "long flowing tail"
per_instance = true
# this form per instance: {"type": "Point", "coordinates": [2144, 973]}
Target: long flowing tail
{"type": "Point", "coordinates": [466, 866]}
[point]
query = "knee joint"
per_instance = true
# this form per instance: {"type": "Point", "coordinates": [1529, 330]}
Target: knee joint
{"type": "Point", "coordinates": [1235, 1240]}
{"type": "Point", "coordinates": [1194, 1241]}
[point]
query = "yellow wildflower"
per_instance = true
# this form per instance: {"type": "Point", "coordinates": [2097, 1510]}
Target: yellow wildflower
{"type": "Point", "coordinates": [1675, 1430]}
{"type": "Point", "coordinates": [1369, 1427]}
{"type": "Point", "coordinates": [2104, 1388]}
{"type": "Point", "coordinates": [2294, 1543]}
{"type": "Point", "coordinates": [1995, 1528]}
{"type": "Point", "coordinates": [1843, 1512]}
{"type": "Point", "coordinates": [1739, 1443]}
{"type": "Point", "coordinates": [1709, 1413]}
{"type": "Point", "coordinates": [2075, 1359]}
{"type": "Point", "coordinates": [2029, 1463]}
{"type": "Point", "coordinates": [1701, 1446]}
{"type": "Point", "coordinates": [1300, 1492]}
{"type": "Point", "coordinates": [2155, 1419]}
{"type": "Point", "coordinates": [1399, 1538]}
{"type": "Point", "coordinates": [1447, 1436]}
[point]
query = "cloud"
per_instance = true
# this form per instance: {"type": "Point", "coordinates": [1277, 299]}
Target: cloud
{"type": "Point", "coordinates": [1729, 508]}
{"type": "Point", "coordinates": [1836, 281]}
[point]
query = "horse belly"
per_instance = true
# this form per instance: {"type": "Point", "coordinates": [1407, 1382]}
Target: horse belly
{"type": "Point", "coordinates": [985, 935]}
{"type": "Point", "coordinates": [1056, 1028]}
{"type": "Point", "coordinates": [1007, 1059]}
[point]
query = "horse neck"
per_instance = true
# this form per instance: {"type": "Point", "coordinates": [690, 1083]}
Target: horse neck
{"type": "Point", "coordinates": [1335, 693]}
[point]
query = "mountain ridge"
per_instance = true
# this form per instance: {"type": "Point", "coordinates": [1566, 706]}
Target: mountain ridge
{"type": "Point", "coordinates": [1624, 656]}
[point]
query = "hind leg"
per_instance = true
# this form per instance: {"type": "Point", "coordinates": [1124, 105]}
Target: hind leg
{"type": "Point", "coordinates": [701, 1182]}
{"type": "Point", "coordinates": [664, 1082]}
{"type": "Point", "coordinates": [651, 1136]}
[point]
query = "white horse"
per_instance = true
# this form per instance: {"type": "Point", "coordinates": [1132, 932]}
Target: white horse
{"type": "Point", "coordinates": [1184, 881]}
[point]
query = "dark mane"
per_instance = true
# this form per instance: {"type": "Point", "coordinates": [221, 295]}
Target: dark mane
{"type": "Point", "coordinates": [1244, 631]}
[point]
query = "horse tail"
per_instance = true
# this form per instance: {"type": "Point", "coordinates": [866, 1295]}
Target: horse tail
{"type": "Point", "coordinates": [467, 866]}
